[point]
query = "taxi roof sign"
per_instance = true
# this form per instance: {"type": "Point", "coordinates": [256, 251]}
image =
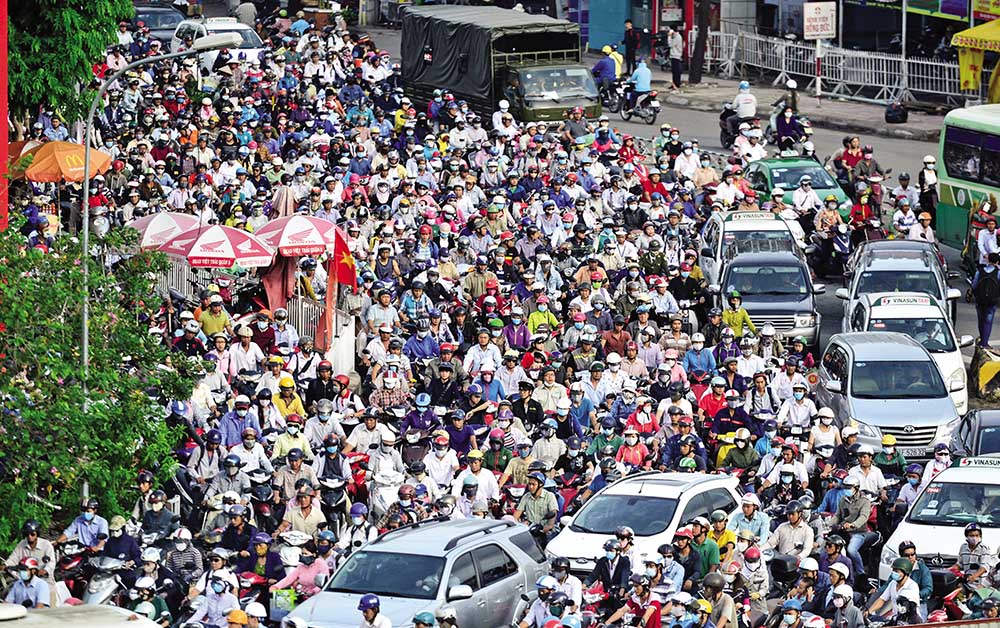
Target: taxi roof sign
{"type": "Point", "coordinates": [751, 216]}
{"type": "Point", "coordinates": [903, 300]}
{"type": "Point", "coordinates": [985, 462]}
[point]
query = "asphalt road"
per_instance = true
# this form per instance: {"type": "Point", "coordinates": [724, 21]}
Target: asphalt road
{"type": "Point", "coordinates": [900, 155]}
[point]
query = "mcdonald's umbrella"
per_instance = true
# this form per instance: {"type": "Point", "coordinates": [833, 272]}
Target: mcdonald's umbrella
{"type": "Point", "coordinates": [299, 235]}
{"type": "Point", "coordinates": [60, 161]}
{"type": "Point", "coordinates": [217, 246]}
{"type": "Point", "coordinates": [156, 229]}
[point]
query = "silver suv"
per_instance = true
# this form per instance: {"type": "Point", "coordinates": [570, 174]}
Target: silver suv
{"type": "Point", "coordinates": [481, 567]}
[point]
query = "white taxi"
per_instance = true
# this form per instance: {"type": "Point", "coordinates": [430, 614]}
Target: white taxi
{"type": "Point", "coordinates": [725, 230]}
{"type": "Point", "coordinates": [968, 491]}
{"type": "Point", "coordinates": [923, 318]}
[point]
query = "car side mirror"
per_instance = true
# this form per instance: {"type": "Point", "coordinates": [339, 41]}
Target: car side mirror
{"type": "Point", "coordinates": [819, 288]}
{"type": "Point", "coordinates": [320, 580]}
{"type": "Point", "coordinates": [842, 294]}
{"type": "Point", "coordinates": [707, 252]}
{"type": "Point", "coordinates": [966, 341]}
{"type": "Point", "coordinates": [809, 249]}
{"type": "Point", "coordinates": [954, 274]}
{"type": "Point", "coordinates": [459, 592]}
{"type": "Point", "coordinates": [953, 294]}
{"type": "Point", "coordinates": [834, 386]}
{"type": "Point", "coordinates": [566, 521]}
{"type": "Point", "coordinates": [956, 385]}
{"type": "Point", "coordinates": [714, 288]}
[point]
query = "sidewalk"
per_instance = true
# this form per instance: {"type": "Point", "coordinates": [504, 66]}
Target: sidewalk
{"type": "Point", "coordinates": [829, 113]}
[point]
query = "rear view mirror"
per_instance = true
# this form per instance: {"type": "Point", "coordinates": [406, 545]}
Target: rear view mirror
{"type": "Point", "coordinates": [956, 385]}
{"type": "Point", "coordinates": [834, 386]}
{"type": "Point", "coordinates": [953, 294]}
{"type": "Point", "coordinates": [320, 580]}
{"type": "Point", "coordinates": [819, 288]}
{"type": "Point", "coordinates": [459, 592]}
{"type": "Point", "coordinates": [966, 341]}
{"type": "Point", "coordinates": [842, 294]}
{"type": "Point", "coordinates": [566, 521]}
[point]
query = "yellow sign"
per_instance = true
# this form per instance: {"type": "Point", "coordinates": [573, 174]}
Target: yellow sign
{"type": "Point", "coordinates": [986, 9]}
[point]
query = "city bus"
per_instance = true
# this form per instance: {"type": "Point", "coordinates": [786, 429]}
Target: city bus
{"type": "Point", "coordinates": [968, 172]}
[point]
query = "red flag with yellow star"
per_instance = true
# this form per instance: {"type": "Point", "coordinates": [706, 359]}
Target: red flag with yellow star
{"type": "Point", "coordinates": [345, 269]}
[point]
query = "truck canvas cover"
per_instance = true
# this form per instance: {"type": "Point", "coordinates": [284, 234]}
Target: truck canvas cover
{"type": "Point", "coordinates": [462, 39]}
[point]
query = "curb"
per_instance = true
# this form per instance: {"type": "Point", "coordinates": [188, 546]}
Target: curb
{"type": "Point", "coordinates": [822, 121]}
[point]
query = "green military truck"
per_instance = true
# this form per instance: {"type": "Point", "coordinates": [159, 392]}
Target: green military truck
{"type": "Point", "coordinates": [486, 54]}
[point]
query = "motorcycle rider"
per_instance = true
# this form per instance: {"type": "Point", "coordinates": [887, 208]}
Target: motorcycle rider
{"type": "Point", "coordinates": [640, 79]}
{"type": "Point", "coordinates": [184, 559]}
{"type": "Point", "coordinates": [538, 613]}
{"type": "Point", "coordinates": [794, 536]}
{"type": "Point", "coordinates": [804, 198]}
{"type": "Point", "coordinates": [537, 506]}
{"type": "Point", "coordinates": [146, 588]}
{"type": "Point", "coordinates": [359, 532]}
{"type": "Point", "coordinates": [34, 546]}
{"type": "Point", "coordinates": [30, 590]}
{"type": "Point", "coordinates": [903, 219]}
{"type": "Point", "coordinates": [745, 106]}
{"type": "Point", "coordinates": [231, 479]}
{"type": "Point", "coordinates": [158, 519]}
{"type": "Point", "coordinates": [604, 70]}
{"type": "Point", "coordinates": [89, 528]}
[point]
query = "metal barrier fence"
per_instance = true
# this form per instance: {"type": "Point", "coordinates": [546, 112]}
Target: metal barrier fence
{"type": "Point", "coordinates": [179, 276]}
{"type": "Point", "coordinates": [852, 74]}
{"type": "Point", "coordinates": [304, 314]}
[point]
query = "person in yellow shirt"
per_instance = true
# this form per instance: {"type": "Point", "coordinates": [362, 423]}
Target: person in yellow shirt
{"type": "Point", "coordinates": [723, 537]}
{"type": "Point", "coordinates": [286, 400]}
{"type": "Point", "coordinates": [293, 438]}
{"type": "Point", "coordinates": [216, 319]}
{"type": "Point", "coordinates": [736, 317]}
{"type": "Point", "coordinates": [619, 60]}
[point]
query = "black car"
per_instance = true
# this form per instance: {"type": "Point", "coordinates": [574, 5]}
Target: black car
{"type": "Point", "coordinates": [161, 19]}
{"type": "Point", "coordinates": [978, 434]}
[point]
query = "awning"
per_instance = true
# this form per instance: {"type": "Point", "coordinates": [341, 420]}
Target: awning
{"type": "Point", "coordinates": [983, 37]}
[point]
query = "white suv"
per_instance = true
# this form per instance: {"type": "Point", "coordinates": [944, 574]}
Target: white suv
{"type": "Point", "coordinates": [653, 504]}
{"type": "Point", "coordinates": [250, 47]}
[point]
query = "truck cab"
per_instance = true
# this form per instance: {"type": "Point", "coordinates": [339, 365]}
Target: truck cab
{"type": "Point", "coordinates": [544, 92]}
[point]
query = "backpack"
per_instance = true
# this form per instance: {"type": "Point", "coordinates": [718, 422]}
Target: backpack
{"type": "Point", "coordinates": [987, 290]}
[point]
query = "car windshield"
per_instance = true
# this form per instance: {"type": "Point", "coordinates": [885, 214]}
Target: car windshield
{"type": "Point", "coordinates": [897, 380]}
{"type": "Point", "coordinates": [765, 280]}
{"type": "Point", "coordinates": [558, 83]}
{"type": "Point", "coordinates": [957, 504]}
{"type": "Point", "coordinates": [160, 20]}
{"type": "Point", "coordinates": [933, 333]}
{"type": "Point", "coordinates": [391, 574]}
{"type": "Point", "coordinates": [250, 38]}
{"type": "Point", "coordinates": [788, 178]}
{"type": "Point", "coordinates": [646, 515]}
{"type": "Point", "coordinates": [989, 440]}
{"type": "Point", "coordinates": [898, 281]}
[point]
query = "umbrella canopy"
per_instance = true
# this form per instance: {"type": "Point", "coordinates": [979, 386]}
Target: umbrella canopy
{"type": "Point", "coordinates": [298, 235]}
{"type": "Point", "coordinates": [16, 149]}
{"type": "Point", "coordinates": [58, 161]}
{"type": "Point", "coordinates": [984, 37]}
{"type": "Point", "coordinates": [217, 246]}
{"type": "Point", "coordinates": [156, 229]}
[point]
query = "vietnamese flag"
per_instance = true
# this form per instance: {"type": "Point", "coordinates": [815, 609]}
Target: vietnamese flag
{"type": "Point", "coordinates": [340, 269]}
{"type": "Point", "coordinates": [345, 269]}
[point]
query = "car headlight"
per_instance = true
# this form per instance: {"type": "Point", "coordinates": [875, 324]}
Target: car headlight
{"type": "Point", "coordinates": [805, 320]}
{"type": "Point", "coordinates": [943, 433]}
{"type": "Point", "coordinates": [865, 430]}
{"type": "Point", "coordinates": [888, 555]}
{"type": "Point", "coordinates": [958, 374]}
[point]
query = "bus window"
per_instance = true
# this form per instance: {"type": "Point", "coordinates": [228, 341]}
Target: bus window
{"type": "Point", "coordinates": [990, 165]}
{"type": "Point", "coordinates": [962, 153]}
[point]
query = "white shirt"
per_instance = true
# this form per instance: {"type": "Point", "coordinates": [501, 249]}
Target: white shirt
{"type": "Point", "coordinates": [873, 482]}
{"type": "Point", "coordinates": [987, 243]}
{"type": "Point", "coordinates": [441, 470]}
{"type": "Point", "coordinates": [380, 621]}
{"type": "Point", "coordinates": [488, 488]}
{"type": "Point", "coordinates": [248, 359]}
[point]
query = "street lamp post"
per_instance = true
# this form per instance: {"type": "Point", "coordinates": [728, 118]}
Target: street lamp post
{"type": "Point", "coordinates": [211, 42]}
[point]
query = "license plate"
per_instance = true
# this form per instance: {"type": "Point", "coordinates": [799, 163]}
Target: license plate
{"type": "Point", "coordinates": [655, 103]}
{"type": "Point", "coordinates": [913, 452]}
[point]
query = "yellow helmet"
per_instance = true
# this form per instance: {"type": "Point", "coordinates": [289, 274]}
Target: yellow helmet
{"type": "Point", "coordinates": [888, 440]}
{"type": "Point", "coordinates": [286, 382]}
{"type": "Point", "coordinates": [606, 50]}
{"type": "Point", "coordinates": [706, 606]}
{"type": "Point", "coordinates": [237, 617]}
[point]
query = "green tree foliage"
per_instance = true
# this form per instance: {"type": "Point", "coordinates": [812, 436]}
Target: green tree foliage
{"type": "Point", "coordinates": [51, 439]}
{"type": "Point", "coordinates": [52, 49]}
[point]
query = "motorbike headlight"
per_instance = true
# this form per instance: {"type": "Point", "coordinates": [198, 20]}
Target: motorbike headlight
{"type": "Point", "coordinates": [943, 433]}
{"type": "Point", "coordinates": [805, 320]}
{"type": "Point", "coordinates": [888, 555]}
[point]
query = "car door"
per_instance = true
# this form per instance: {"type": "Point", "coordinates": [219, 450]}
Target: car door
{"type": "Point", "coordinates": [500, 583]}
{"type": "Point", "coordinates": [463, 571]}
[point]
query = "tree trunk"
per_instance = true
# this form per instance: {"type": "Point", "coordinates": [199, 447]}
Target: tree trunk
{"type": "Point", "coordinates": [697, 62]}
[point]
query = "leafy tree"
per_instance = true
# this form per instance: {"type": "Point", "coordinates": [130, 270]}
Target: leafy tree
{"type": "Point", "coordinates": [53, 45]}
{"type": "Point", "coordinates": [53, 438]}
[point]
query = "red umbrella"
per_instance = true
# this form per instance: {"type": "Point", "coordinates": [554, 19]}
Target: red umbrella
{"type": "Point", "coordinates": [156, 229]}
{"type": "Point", "coordinates": [298, 235]}
{"type": "Point", "coordinates": [217, 246]}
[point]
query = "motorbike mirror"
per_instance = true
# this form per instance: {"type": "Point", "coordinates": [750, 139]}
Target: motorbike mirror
{"type": "Point", "coordinates": [459, 592]}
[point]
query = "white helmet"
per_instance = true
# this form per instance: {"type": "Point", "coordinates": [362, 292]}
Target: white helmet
{"type": "Point", "coordinates": [446, 613]}
{"type": "Point", "coordinates": [930, 159]}
{"type": "Point", "coordinates": [744, 126]}
{"type": "Point", "coordinates": [791, 84]}
{"type": "Point", "coordinates": [145, 582]}
{"type": "Point", "coordinates": [809, 564]}
{"type": "Point", "coordinates": [698, 337]}
{"type": "Point", "coordinates": [750, 498]}
{"type": "Point", "coordinates": [256, 609]}
{"type": "Point", "coordinates": [146, 609]}
{"type": "Point", "coordinates": [183, 534]}
{"type": "Point", "coordinates": [504, 105]}
{"type": "Point", "coordinates": [614, 358]}
{"type": "Point", "coordinates": [150, 555]}
{"type": "Point", "coordinates": [843, 590]}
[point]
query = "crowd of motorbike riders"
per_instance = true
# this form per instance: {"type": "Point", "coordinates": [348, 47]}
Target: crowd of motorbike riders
{"type": "Point", "coordinates": [534, 326]}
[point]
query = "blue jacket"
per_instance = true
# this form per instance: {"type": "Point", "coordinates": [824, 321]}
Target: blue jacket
{"type": "Point", "coordinates": [604, 70]}
{"type": "Point", "coordinates": [642, 77]}
{"type": "Point", "coordinates": [426, 347]}
{"type": "Point", "coordinates": [699, 360]}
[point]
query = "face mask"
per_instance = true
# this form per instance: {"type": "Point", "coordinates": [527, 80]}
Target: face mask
{"type": "Point", "coordinates": [913, 481]}
{"type": "Point", "coordinates": [651, 572]}
{"type": "Point", "coordinates": [729, 578]}
{"type": "Point", "coordinates": [292, 430]}
{"type": "Point", "coordinates": [24, 574]}
{"type": "Point", "coordinates": [799, 395]}
{"type": "Point", "coordinates": [610, 555]}
{"type": "Point", "coordinates": [742, 546]}
{"type": "Point", "coordinates": [631, 440]}
{"type": "Point", "coordinates": [158, 507]}
{"type": "Point", "coordinates": [971, 540]}
{"type": "Point", "coordinates": [441, 453]}
{"type": "Point", "coordinates": [786, 479]}
{"type": "Point", "coordinates": [218, 587]}
{"type": "Point", "coordinates": [839, 602]}
{"type": "Point", "coordinates": [265, 403]}
{"type": "Point", "coordinates": [608, 431]}
{"type": "Point", "coordinates": [733, 404]}
{"type": "Point", "coordinates": [697, 346]}
{"type": "Point", "coordinates": [504, 425]}
{"type": "Point", "coordinates": [357, 520]}
{"type": "Point", "coordinates": [241, 413]}
{"type": "Point", "coordinates": [543, 308]}
{"type": "Point", "coordinates": [516, 320]}
{"type": "Point", "coordinates": [88, 516]}
{"type": "Point", "coordinates": [262, 326]}
{"type": "Point", "coordinates": [895, 576]}
{"type": "Point", "coordinates": [117, 533]}
{"type": "Point", "coordinates": [941, 457]}
{"type": "Point", "coordinates": [688, 151]}
{"type": "Point", "coordinates": [307, 560]}
{"type": "Point", "coordinates": [674, 136]}
{"type": "Point", "coordinates": [180, 547]}
{"type": "Point", "coordinates": [789, 618]}
{"type": "Point", "coordinates": [889, 450]}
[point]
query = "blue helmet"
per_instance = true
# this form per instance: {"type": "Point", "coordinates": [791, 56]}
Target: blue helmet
{"type": "Point", "coordinates": [744, 85]}
{"type": "Point", "coordinates": [571, 621]}
{"type": "Point", "coordinates": [425, 618]}
{"type": "Point", "coordinates": [423, 400]}
{"type": "Point", "coordinates": [368, 601]}
{"type": "Point", "coordinates": [179, 407]}
{"type": "Point", "coordinates": [359, 510]}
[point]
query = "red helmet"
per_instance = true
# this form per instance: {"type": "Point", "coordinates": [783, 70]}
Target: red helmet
{"type": "Point", "coordinates": [752, 553]}
{"type": "Point", "coordinates": [342, 379]}
{"type": "Point", "coordinates": [324, 364]}
{"type": "Point", "coordinates": [426, 229]}
{"type": "Point", "coordinates": [29, 562]}
{"type": "Point", "coordinates": [492, 284]}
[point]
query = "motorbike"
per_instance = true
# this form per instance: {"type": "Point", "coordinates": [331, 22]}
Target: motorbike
{"type": "Point", "coordinates": [874, 182]}
{"type": "Point", "coordinates": [105, 584]}
{"type": "Point", "coordinates": [647, 107]}
{"type": "Point", "coordinates": [612, 96]}
{"type": "Point", "coordinates": [590, 611]}
{"type": "Point", "coordinates": [261, 502]}
{"type": "Point", "coordinates": [69, 568]}
{"type": "Point", "coordinates": [784, 569]}
{"type": "Point", "coordinates": [290, 548]}
{"type": "Point", "coordinates": [569, 485]}
{"type": "Point", "coordinates": [512, 494]}
{"type": "Point", "coordinates": [252, 587]}
{"type": "Point", "coordinates": [385, 486]}
{"type": "Point", "coordinates": [333, 501]}
{"type": "Point", "coordinates": [833, 247]}
{"type": "Point", "coordinates": [416, 444]}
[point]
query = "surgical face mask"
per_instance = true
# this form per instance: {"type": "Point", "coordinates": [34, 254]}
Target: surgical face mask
{"type": "Point", "coordinates": [913, 481]}
{"type": "Point", "coordinates": [180, 546]}
{"type": "Point", "coordinates": [786, 479]}
{"type": "Point", "coordinates": [292, 429]}
{"type": "Point", "coordinates": [941, 457]}
{"type": "Point", "coordinates": [631, 440]}
{"type": "Point", "coordinates": [608, 431]}
{"type": "Point", "coordinates": [117, 533]}
{"type": "Point", "coordinates": [789, 618]}
{"type": "Point", "coordinates": [799, 395]}
{"type": "Point", "coordinates": [232, 470]}
{"type": "Point", "coordinates": [839, 602]}
{"type": "Point", "coordinates": [496, 333]}
{"type": "Point", "coordinates": [826, 420]}
{"type": "Point", "coordinates": [576, 325]}
{"type": "Point", "coordinates": [88, 516]}
{"type": "Point", "coordinates": [688, 151]}
{"type": "Point", "coordinates": [697, 346]}
{"type": "Point", "coordinates": [157, 507]}
{"type": "Point", "coordinates": [733, 403]}
{"type": "Point", "coordinates": [889, 450]}
{"type": "Point", "coordinates": [357, 520]}
{"type": "Point", "coordinates": [742, 546]}
{"type": "Point", "coordinates": [241, 413]}
{"type": "Point", "coordinates": [249, 443]}
{"type": "Point", "coordinates": [440, 453]}
{"type": "Point", "coordinates": [971, 540]}
{"type": "Point", "coordinates": [386, 449]}
{"type": "Point", "coordinates": [674, 136]}
{"type": "Point", "coordinates": [24, 574]}
{"type": "Point", "coordinates": [516, 320]}
{"type": "Point", "coordinates": [218, 587]}
{"type": "Point", "coordinates": [895, 576]}
{"type": "Point", "coordinates": [772, 434]}
{"type": "Point", "coordinates": [262, 325]}
{"type": "Point", "coordinates": [543, 308]}
{"type": "Point", "coordinates": [651, 572]}
{"type": "Point", "coordinates": [610, 555]}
